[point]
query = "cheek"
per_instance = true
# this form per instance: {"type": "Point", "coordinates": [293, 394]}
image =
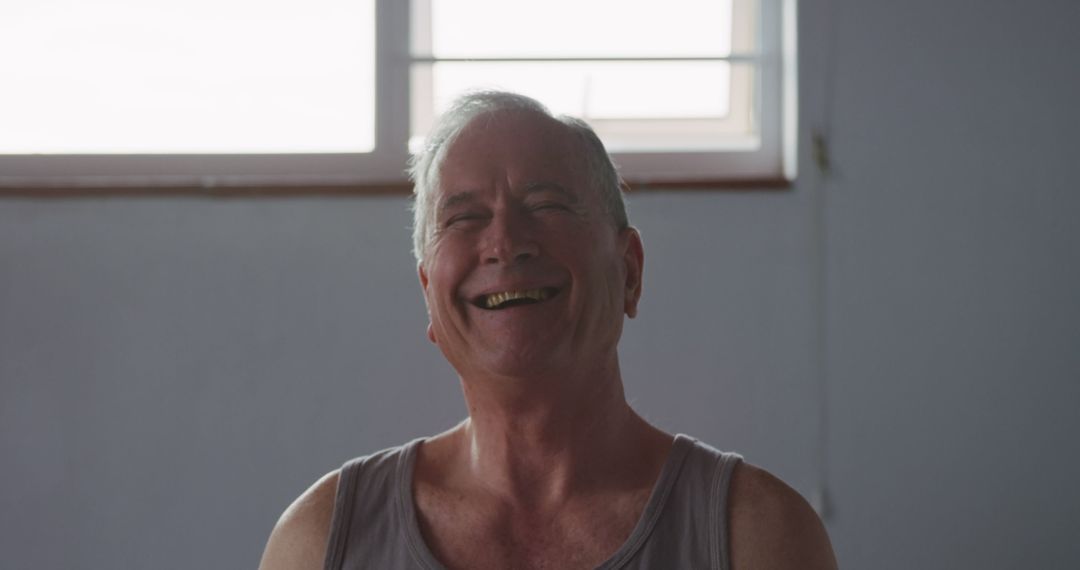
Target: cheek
{"type": "Point", "coordinates": [608, 278]}
{"type": "Point", "coordinates": [441, 293]}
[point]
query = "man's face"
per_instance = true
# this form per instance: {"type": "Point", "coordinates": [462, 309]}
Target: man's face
{"type": "Point", "coordinates": [526, 273]}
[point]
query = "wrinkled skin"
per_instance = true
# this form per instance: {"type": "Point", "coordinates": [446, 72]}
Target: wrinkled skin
{"type": "Point", "coordinates": [515, 211]}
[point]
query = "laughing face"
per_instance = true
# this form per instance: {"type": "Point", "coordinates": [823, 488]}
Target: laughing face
{"type": "Point", "coordinates": [526, 274]}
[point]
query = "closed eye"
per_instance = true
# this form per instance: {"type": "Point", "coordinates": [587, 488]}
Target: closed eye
{"type": "Point", "coordinates": [548, 206]}
{"type": "Point", "coordinates": [461, 219]}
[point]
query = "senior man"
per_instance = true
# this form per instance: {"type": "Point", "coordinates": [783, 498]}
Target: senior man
{"type": "Point", "coordinates": [528, 266]}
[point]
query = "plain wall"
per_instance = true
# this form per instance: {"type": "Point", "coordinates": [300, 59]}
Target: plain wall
{"type": "Point", "coordinates": [175, 370]}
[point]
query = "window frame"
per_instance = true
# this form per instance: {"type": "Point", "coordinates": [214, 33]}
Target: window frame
{"type": "Point", "coordinates": [383, 169]}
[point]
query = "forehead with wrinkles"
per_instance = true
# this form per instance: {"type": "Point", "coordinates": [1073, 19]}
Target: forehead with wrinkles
{"type": "Point", "coordinates": [520, 145]}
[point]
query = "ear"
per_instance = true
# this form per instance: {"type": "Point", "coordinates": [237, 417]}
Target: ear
{"type": "Point", "coordinates": [424, 287]}
{"type": "Point", "coordinates": [634, 263]}
{"type": "Point", "coordinates": [423, 278]}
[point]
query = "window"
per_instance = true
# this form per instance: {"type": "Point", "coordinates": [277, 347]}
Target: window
{"type": "Point", "coordinates": [263, 93]}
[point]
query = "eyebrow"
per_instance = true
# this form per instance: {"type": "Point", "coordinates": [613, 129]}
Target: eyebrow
{"type": "Point", "coordinates": [469, 196]}
{"type": "Point", "coordinates": [544, 186]}
{"type": "Point", "coordinates": [455, 200]}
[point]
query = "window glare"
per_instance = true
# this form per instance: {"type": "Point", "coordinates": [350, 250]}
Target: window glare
{"type": "Point", "coordinates": [639, 72]}
{"type": "Point", "coordinates": [713, 109]}
{"type": "Point", "coordinates": [202, 76]}
{"type": "Point", "coordinates": [573, 28]}
{"type": "Point", "coordinates": [598, 90]}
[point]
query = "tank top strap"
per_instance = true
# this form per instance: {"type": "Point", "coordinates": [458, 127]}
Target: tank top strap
{"type": "Point", "coordinates": [723, 468]}
{"type": "Point", "coordinates": [685, 522]}
{"type": "Point", "coordinates": [368, 524]}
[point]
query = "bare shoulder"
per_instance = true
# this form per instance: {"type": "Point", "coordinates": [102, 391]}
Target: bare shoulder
{"type": "Point", "coordinates": [772, 526]}
{"type": "Point", "coordinates": [298, 541]}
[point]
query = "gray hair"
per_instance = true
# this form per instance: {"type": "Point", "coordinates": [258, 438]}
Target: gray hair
{"type": "Point", "coordinates": [425, 166]}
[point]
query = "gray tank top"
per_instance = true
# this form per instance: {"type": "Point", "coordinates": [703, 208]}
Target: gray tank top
{"type": "Point", "coordinates": [684, 524]}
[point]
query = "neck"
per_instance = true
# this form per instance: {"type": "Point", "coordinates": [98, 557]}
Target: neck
{"type": "Point", "coordinates": [541, 441]}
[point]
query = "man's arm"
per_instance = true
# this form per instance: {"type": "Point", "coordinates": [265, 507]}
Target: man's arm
{"type": "Point", "coordinates": [772, 526]}
{"type": "Point", "coordinates": [298, 541]}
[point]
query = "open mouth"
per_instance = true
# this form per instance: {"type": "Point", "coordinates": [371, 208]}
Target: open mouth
{"type": "Point", "coordinates": [507, 299]}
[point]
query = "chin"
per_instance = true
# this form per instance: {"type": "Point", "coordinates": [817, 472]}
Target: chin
{"type": "Point", "coordinates": [521, 366]}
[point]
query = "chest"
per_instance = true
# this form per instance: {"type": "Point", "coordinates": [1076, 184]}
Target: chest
{"type": "Point", "coordinates": [479, 535]}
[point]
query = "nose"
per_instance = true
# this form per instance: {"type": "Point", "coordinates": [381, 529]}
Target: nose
{"type": "Point", "coordinates": [508, 240]}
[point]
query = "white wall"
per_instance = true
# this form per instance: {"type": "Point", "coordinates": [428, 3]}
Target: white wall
{"type": "Point", "coordinates": [174, 370]}
{"type": "Point", "coordinates": [954, 311]}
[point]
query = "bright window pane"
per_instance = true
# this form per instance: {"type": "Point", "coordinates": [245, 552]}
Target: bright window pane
{"type": "Point", "coordinates": [601, 90]}
{"type": "Point", "coordinates": [199, 76]}
{"type": "Point", "coordinates": [634, 106]}
{"type": "Point", "coordinates": [674, 98]}
{"type": "Point", "coordinates": [577, 28]}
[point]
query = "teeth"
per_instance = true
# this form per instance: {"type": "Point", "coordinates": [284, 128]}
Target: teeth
{"type": "Point", "coordinates": [496, 299]}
